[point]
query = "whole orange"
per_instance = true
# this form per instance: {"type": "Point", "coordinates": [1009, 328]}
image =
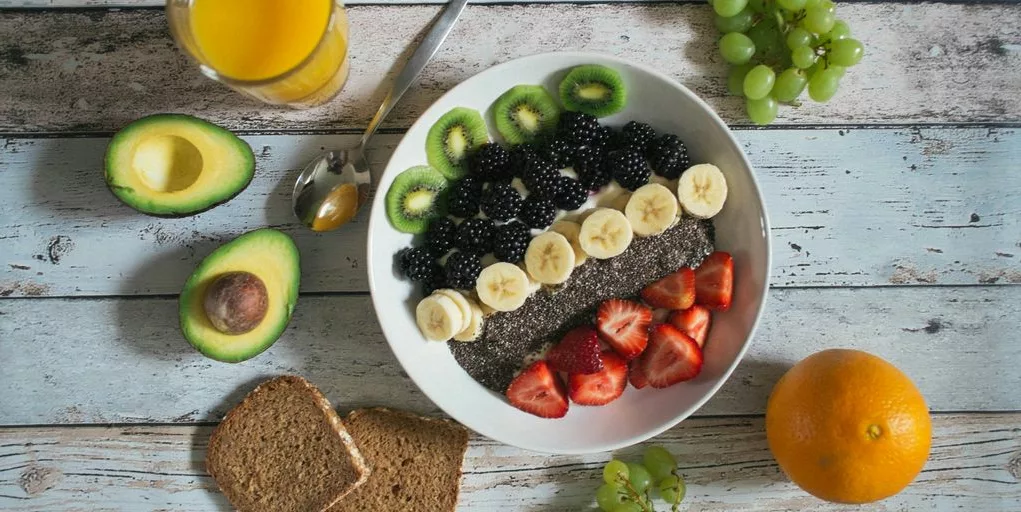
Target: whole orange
{"type": "Point", "coordinates": [847, 426]}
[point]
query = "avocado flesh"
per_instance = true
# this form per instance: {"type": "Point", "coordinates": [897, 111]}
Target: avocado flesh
{"type": "Point", "coordinates": [174, 165]}
{"type": "Point", "coordinates": [267, 253]}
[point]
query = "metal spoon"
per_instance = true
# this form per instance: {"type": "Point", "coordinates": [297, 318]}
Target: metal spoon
{"type": "Point", "coordinates": [333, 187]}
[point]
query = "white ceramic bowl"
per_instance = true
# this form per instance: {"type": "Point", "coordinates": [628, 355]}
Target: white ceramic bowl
{"type": "Point", "coordinates": [741, 228]}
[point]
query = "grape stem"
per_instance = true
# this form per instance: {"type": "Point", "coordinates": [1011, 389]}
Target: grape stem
{"type": "Point", "coordinates": [675, 506]}
{"type": "Point", "coordinates": [634, 495]}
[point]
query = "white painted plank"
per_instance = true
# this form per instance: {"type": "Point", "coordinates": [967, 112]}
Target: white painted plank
{"type": "Point", "coordinates": [973, 465]}
{"type": "Point", "coordinates": [107, 68]}
{"type": "Point", "coordinates": [124, 360]}
{"type": "Point", "coordinates": [848, 208]}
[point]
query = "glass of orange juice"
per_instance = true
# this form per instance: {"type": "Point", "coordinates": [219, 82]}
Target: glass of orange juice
{"type": "Point", "coordinates": [282, 52]}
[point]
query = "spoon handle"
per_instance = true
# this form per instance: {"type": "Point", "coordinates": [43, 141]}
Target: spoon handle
{"type": "Point", "coordinates": [425, 51]}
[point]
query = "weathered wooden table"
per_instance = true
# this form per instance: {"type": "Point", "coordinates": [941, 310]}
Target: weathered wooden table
{"type": "Point", "coordinates": [896, 230]}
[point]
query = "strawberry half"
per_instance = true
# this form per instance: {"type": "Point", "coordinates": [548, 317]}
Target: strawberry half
{"type": "Point", "coordinates": [624, 324]}
{"type": "Point", "coordinates": [672, 357]}
{"type": "Point", "coordinates": [636, 374]}
{"type": "Point", "coordinates": [578, 352]}
{"type": "Point", "coordinates": [694, 322]}
{"type": "Point", "coordinates": [539, 391]}
{"type": "Point", "coordinates": [675, 291]}
{"type": "Point", "coordinates": [599, 388]}
{"type": "Point", "coordinates": [714, 281]}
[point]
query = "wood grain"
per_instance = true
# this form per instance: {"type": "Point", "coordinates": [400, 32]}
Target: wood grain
{"type": "Point", "coordinates": [848, 208]}
{"type": "Point", "coordinates": [725, 462]}
{"type": "Point", "coordinates": [107, 68]}
{"type": "Point", "coordinates": [124, 360]}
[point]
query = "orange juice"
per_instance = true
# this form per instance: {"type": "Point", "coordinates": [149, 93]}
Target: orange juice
{"type": "Point", "coordinates": [280, 51]}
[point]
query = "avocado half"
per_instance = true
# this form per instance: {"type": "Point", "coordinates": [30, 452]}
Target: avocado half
{"type": "Point", "coordinates": [175, 165]}
{"type": "Point", "coordinates": [272, 257]}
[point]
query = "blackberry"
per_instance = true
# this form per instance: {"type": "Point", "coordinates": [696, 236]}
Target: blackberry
{"type": "Point", "coordinates": [501, 202]}
{"type": "Point", "coordinates": [595, 178]}
{"type": "Point", "coordinates": [541, 179]}
{"type": "Point", "coordinates": [441, 235]}
{"type": "Point", "coordinates": [475, 236]}
{"type": "Point", "coordinates": [462, 270]}
{"type": "Point", "coordinates": [464, 197]}
{"type": "Point", "coordinates": [491, 163]}
{"type": "Point", "coordinates": [570, 194]}
{"type": "Point", "coordinates": [521, 158]}
{"type": "Point", "coordinates": [668, 156]}
{"type": "Point", "coordinates": [605, 138]}
{"type": "Point", "coordinates": [628, 167]}
{"type": "Point", "coordinates": [639, 135]}
{"type": "Point", "coordinates": [577, 127]}
{"type": "Point", "coordinates": [417, 264]}
{"type": "Point", "coordinates": [538, 213]}
{"type": "Point", "coordinates": [558, 151]}
{"type": "Point", "coordinates": [435, 282]}
{"type": "Point", "coordinates": [587, 157]}
{"type": "Point", "coordinates": [511, 241]}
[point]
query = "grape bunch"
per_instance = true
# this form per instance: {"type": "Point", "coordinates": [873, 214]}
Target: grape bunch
{"type": "Point", "coordinates": [628, 486]}
{"type": "Point", "coordinates": [778, 48]}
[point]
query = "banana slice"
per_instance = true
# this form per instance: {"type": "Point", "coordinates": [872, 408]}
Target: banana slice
{"type": "Point", "coordinates": [702, 190]}
{"type": "Point", "coordinates": [502, 286]}
{"type": "Point", "coordinates": [605, 234]}
{"type": "Point", "coordinates": [550, 258]}
{"type": "Point", "coordinates": [651, 209]}
{"type": "Point", "coordinates": [474, 329]}
{"type": "Point", "coordinates": [462, 303]}
{"type": "Point", "coordinates": [570, 230]}
{"type": "Point", "coordinates": [438, 317]}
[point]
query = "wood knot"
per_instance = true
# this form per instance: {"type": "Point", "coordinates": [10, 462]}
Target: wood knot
{"type": "Point", "coordinates": [1014, 467]}
{"type": "Point", "coordinates": [37, 479]}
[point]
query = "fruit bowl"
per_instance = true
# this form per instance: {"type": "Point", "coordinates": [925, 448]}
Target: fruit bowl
{"type": "Point", "coordinates": [742, 229]}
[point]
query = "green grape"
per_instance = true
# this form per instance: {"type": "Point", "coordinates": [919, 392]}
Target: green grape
{"type": "Point", "coordinates": [811, 4]}
{"type": "Point", "coordinates": [798, 37]}
{"type": "Point", "coordinates": [672, 489]}
{"type": "Point", "coordinates": [609, 496]}
{"type": "Point", "coordinates": [739, 22]}
{"type": "Point", "coordinates": [736, 48]}
{"type": "Point", "coordinates": [803, 57]}
{"type": "Point", "coordinates": [818, 20]}
{"type": "Point", "coordinates": [827, 5]}
{"type": "Point", "coordinates": [639, 476]}
{"type": "Point", "coordinates": [823, 84]}
{"type": "Point", "coordinates": [762, 111]}
{"type": "Point", "coordinates": [735, 79]}
{"type": "Point", "coordinates": [728, 8]}
{"type": "Point", "coordinates": [791, 5]}
{"type": "Point", "coordinates": [612, 469]}
{"type": "Point", "coordinates": [789, 84]}
{"type": "Point", "coordinates": [845, 52]}
{"type": "Point", "coordinates": [659, 462]}
{"type": "Point", "coordinates": [758, 6]}
{"type": "Point", "coordinates": [758, 82]}
{"type": "Point", "coordinates": [839, 70]}
{"type": "Point", "coordinates": [628, 506]}
{"type": "Point", "coordinates": [840, 30]}
{"type": "Point", "coordinates": [769, 42]}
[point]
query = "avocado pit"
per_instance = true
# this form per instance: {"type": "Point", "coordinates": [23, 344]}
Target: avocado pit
{"type": "Point", "coordinates": [236, 302]}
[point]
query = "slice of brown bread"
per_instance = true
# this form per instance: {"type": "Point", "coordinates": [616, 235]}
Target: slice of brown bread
{"type": "Point", "coordinates": [284, 449]}
{"type": "Point", "coordinates": [415, 461]}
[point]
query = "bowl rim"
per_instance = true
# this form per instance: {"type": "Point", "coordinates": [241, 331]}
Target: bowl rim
{"type": "Point", "coordinates": [763, 293]}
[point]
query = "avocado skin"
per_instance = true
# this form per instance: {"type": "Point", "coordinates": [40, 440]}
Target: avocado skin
{"type": "Point", "coordinates": [141, 123]}
{"type": "Point", "coordinates": [231, 256]}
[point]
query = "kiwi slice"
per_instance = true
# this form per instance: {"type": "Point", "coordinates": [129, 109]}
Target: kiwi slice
{"type": "Point", "coordinates": [593, 89]}
{"type": "Point", "coordinates": [525, 112]}
{"type": "Point", "coordinates": [453, 138]}
{"type": "Point", "coordinates": [415, 197]}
